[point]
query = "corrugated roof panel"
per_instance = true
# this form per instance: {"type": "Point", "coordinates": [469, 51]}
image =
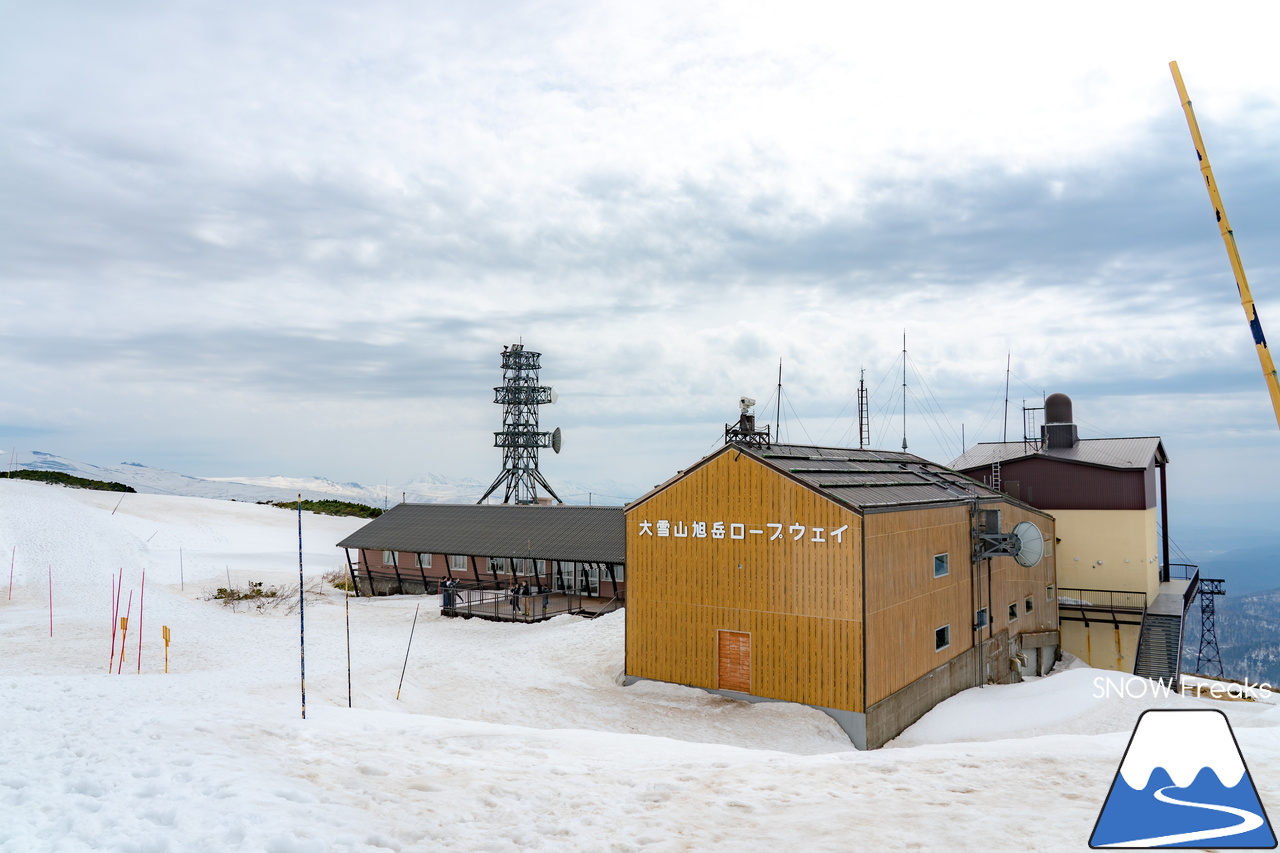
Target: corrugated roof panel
{"type": "Point", "coordinates": [577, 533]}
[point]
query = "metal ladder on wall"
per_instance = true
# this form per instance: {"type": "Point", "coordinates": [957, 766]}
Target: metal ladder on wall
{"type": "Point", "coordinates": [995, 476]}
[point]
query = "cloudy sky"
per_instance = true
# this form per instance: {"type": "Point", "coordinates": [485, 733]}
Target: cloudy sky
{"type": "Point", "coordinates": [292, 237]}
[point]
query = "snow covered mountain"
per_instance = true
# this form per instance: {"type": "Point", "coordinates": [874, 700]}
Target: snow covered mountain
{"type": "Point", "coordinates": [425, 488]}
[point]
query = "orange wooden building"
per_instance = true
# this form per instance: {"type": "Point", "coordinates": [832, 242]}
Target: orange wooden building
{"type": "Point", "coordinates": [843, 579]}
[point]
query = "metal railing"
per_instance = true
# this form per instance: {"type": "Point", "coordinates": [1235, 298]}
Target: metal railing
{"type": "Point", "coordinates": [505, 605]}
{"type": "Point", "coordinates": [1114, 600]}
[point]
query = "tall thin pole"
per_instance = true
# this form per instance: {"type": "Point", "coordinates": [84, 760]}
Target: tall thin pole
{"type": "Point", "coordinates": [141, 597]}
{"type": "Point", "coordinates": [904, 390]}
{"type": "Point", "coordinates": [777, 429]}
{"type": "Point", "coordinates": [405, 668]}
{"type": "Point", "coordinates": [51, 599]}
{"type": "Point", "coordinates": [12, 557]}
{"type": "Point", "coordinates": [1008, 365]}
{"type": "Point", "coordinates": [302, 622]}
{"type": "Point", "coordinates": [115, 606]}
{"type": "Point", "coordinates": [348, 604]}
{"type": "Point", "coordinates": [1229, 240]}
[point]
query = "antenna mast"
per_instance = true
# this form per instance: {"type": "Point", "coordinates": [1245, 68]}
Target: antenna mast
{"type": "Point", "coordinates": [520, 395]}
{"type": "Point", "coordinates": [904, 390]}
{"type": "Point", "coordinates": [777, 428]}
{"type": "Point", "coordinates": [864, 412]}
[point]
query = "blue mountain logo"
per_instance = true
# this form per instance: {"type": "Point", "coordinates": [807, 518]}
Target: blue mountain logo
{"type": "Point", "coordinates": [1183, 782]}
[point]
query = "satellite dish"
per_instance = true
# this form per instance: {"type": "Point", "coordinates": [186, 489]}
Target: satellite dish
{"type": "Point", "coordinates": [555, 445]}
{"type": "Point", "coordinates": [554, 396]}
{"type": "Point", "coordinates": [1030, 544]}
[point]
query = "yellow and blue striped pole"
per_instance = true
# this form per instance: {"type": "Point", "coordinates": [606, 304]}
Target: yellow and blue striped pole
{"type": "Point", "coordinates": [1229, 239]}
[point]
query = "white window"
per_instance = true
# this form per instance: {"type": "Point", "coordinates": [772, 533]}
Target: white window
{"type": "Point", "coordinates": [941, 638]}
{"type": "Point", "coordinates": [981, 619]}
{"type": "Point", "coordinates": [1013, 612]}
{"type": "Point", "coordinates": [1049, 594]}
{"type": "Point", "coordinates": [1028, 605]}
{"type": "Point", "coordinates": [457, 563]}
{"type": "Point", "coordinates": [941, 565]}
{"type": "Point", "coordinates": [388, 558]}
{"type": "Point", "coordinates": [498, 565]}
{"type": "Point", "coordinates": [424, 561]}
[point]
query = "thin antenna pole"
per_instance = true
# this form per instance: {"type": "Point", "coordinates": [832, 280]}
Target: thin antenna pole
{"type": "Point", "coordinates": [1008, 364]}
{"type": "Point", "coordinates": [406, 651]}
{"type": "Point", "coordinates": [777, 429]}
{"type": "Point", "coordinates": [302, 621]}
{"type": "Point", "coordinates": [904, 391]}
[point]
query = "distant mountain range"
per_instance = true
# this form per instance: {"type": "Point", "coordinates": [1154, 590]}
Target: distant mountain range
{"type": "Point", "coordinates": [426, 488]}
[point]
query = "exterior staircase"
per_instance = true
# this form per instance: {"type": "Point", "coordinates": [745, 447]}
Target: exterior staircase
{"type": "Point", "coordinates": [1160, 648]}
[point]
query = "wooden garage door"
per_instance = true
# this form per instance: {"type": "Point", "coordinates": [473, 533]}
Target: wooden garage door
{"type": "Point", "coordinates": [735, 661]}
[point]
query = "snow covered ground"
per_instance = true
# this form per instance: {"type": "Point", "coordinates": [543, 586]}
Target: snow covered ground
{"type": "Point", "coordinates": [505, 737]}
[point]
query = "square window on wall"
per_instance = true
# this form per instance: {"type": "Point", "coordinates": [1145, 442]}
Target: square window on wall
{"type": "Point", "coordinates": [1028, 605]}
{"type": "Point", "coordinates": [981, 619]}
{"type": "Point", "coordinates": [1048, 593]}
{"type": "Point", "coordinates": [424, 561]}
{"type": "Point", "coordinates": [388, 558]}
{"type": "Point", "coordinates": [1013, 612]}
{"type": "Point", "coordinates": [941, 565]}
{"type": "Point", "coordinates": [941, 638]}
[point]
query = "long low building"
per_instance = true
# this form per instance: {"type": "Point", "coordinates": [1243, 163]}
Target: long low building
{"type": "Point", "coordinates": [412, 548]}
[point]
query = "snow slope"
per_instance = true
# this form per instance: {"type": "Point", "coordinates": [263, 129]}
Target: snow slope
{"type": "Point", "coordinates": [505, 737]}
{"type": "Point", "coordinates": [424, 488]}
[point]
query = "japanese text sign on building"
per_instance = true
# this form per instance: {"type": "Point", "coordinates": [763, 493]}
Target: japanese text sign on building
{"type": "Point", "coordinates": [774, 531]}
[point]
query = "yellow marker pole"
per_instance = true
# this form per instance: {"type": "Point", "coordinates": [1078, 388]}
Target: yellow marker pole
{"type": "Point", "coordinates": [124, 632]}
{"type": "Point", "coordinates": [164, 630]}
{"type": "Point", "coordinates": [1229, 240]}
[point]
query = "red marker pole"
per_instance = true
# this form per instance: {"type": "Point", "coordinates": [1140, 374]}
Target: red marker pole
{"type": "Point", "coordinates": [141, 597]}
{"type": "Point", "coordinates": [115, 604]}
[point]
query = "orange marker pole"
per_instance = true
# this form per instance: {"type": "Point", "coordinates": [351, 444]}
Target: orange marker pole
{"type": "Point", "coordinates": [164, 631]}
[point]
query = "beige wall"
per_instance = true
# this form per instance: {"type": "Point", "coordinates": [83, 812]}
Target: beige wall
{"type": "Point", "coordinates": [1108, 549]}
{"type": "Point", "coordinates": [1101, 644]}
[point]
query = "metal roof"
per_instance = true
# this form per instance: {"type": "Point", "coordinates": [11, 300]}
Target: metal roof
{"type": "Point", "coordinates": [1121, 453]}
{"type": "Point", "coordinates": [862, 479]}
{"type": "Point", "coordinates": [579, 533]}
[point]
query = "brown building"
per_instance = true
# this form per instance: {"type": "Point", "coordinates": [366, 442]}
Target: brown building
{"type": "Point", "coordinates": [575, 551]}
{"type": "Point", "coordinates": [1122, 603]}
{"type": "Point", "coordinates": [842, 579]}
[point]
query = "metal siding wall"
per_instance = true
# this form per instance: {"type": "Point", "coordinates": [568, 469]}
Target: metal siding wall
{"type": "Point", "coordinates": [1064, 485]}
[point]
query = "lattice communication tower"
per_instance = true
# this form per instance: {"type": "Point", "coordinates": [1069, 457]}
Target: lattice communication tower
{"type": "Point", "coordinates": [520, 395]}
{"type": "Point", "coordinates": [1208, 656]}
